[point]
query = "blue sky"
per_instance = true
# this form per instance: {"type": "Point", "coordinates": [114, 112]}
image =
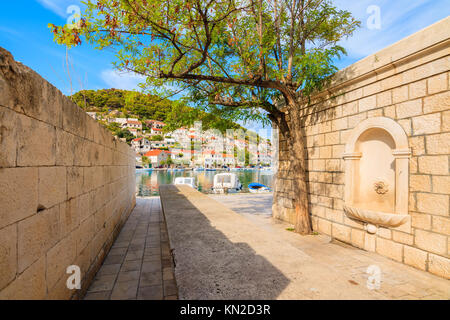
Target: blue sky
{"type": "Point", "coordinates": [24, 32]}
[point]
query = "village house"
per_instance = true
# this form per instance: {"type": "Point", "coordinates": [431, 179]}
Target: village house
{"type": "Point", "coordinates": [141, 145]}
{"type": "Point", "coordinates": [156, 157]}
{"type": "Point", "coordinates": [132, 124]}
{"type": "Point", "coordinates": [154, 124]}
{"type": "Point", "coordinates": [156, 131]}
{"type": "Point", "coordinates": [93, 115]}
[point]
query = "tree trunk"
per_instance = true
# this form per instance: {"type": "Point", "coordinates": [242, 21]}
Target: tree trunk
{"type": "Point", "coordinates": [291, 193]}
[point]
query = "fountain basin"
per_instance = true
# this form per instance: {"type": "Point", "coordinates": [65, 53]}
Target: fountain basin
{"type": "Point", "coordinates": [376, 218]}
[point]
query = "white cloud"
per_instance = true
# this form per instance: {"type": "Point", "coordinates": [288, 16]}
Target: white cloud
{"type": "Point", "coordinates": [118, 80]}
{"type": "Point", "coordinates": [59, 7]}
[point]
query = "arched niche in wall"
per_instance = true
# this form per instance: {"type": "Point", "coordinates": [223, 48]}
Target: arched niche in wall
{"type": "Point", "coordinates": [377, 174]}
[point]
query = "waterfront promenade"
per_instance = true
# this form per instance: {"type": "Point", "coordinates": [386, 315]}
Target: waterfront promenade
{"type": "Point", "coordinates": [228, 247]}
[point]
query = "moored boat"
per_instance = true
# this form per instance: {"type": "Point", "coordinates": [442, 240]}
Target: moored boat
{"type": "Point", "coordinates": [258, 188]}
{"type": "Point", "coordinates": [226, 183]}
{"type": "Point", "coordinates": [188, 181]}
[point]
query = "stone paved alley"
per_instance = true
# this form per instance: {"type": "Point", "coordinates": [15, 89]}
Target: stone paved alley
{"type": "Point", "coordinates": [139, 264]}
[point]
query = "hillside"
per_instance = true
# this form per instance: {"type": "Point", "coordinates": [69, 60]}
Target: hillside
{"type": "Point", "coordinates": [131, 104]}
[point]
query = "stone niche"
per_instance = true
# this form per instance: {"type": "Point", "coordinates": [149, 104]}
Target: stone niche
{"type": "Point", "coordinates": [377, 174]}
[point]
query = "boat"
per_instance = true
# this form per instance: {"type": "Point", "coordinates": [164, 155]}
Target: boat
{"type": "Point", "coordinates": [199, 169]}
{"type": "Point", "coordinates": [210, 169]}
{"type": "Point", "coordinates": [226, 183]}
{"type": "Point", "coordinates": [258, 188]}
{"type": "Point", "coordinates": [143, 169]}
{"type": "Point", "coordinates": [187, 181]}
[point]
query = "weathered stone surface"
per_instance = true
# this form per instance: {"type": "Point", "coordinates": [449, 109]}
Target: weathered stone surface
{"type": "Point", "coordinates": [438, 102]}
{"type": "Point", "coordinates": [19, 194]}
{"type": "Point", "coordinates": [439, 266]}
{"type": "Point", "coordinates": [36, 235]}
{"type": "Point", "coordinates": [368, 103]}
{"type": "Point", "coordinates": [26, 92]}
{"type": "Point", "coordinates": [441, 184]}
{"type": "Point", "coordinates": [409, 109]}
{"type": "Point", "coordinates": [74, 182]}
{"type": "Point", "coordinates": [415, 257]}
{"type": "Point", "coordinates": [431, 242]}
{"type": "Point", "coordinates": [390, 249]}
{"type": "Point", "coordinates": [437, 165]}
{"type": "Point", "coordinates": [65, 145]}
{"type": "Point", "coordinates": [36, 142]}
{"type": "Point", "coordinates": [438, 143]}
{"type": "Point", "coordinates": [8, 137]}
{"type": "Point", "coordinates": [441, 225]}
{"type": "Point", "coordinates": [418, 89]}
{"type": "Point", "coordinates": [427, 124]}
{"type": "Point", "coordinates": [44, 142]}
{"type": "Point", "coordinates": [420, 183]}
{"type": "Point", "coordinates": [358, 238]}
{"type": "Point", "coordinates": [8, 254]}
{"type": "Point", "coordinates": [84, 234]}
{"type": "Point", "coordinates": [341, 232]}
{"type": "Point", "coordinates": [59, 258]}
{"type": "Point", "coordinates": [437, 83]}
{"type": "Point", "coordinates": [30, 285]}
{"type": "Point", "coordinates": [400, 94]}
{"type": "Point", "coordinates": [421, 221]}
{"type": "Point", "coordinates": [52, 186]}
{"type": "Point", "coordinates": [69, 215]}
{"type": "Point", "coordinates": [433, 203]}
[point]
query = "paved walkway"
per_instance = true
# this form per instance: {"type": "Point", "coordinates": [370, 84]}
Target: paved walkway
{"type": "Point", "coordinates": [221, 254]}
{"type": "Point", "coordinates": [139, 264]}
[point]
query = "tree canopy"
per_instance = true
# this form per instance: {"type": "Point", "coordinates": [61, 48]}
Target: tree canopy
{"type": "Point", "coordinates": [234, 57]}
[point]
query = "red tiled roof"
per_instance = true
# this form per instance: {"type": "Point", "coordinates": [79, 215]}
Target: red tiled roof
{"type": "Point", "coordinates": [153, 153]}
{"type": "Point", "coordinates": [137, 139]}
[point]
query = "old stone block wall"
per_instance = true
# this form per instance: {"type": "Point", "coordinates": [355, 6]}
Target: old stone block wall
{"type": "Point", "coordinates": [408, 82]}
{"type": "Point", "coordinates": [66, 187]}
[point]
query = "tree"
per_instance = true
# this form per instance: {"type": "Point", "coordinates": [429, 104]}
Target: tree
{"type": "Point", "coordinates": [240, 59]}
{"type": "Point", "coordinates": [157, 137]}
{"type": "Point", "coordinates": [124, 133]}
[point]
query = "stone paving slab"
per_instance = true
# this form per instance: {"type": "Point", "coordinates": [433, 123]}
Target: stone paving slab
{"type": "Point", "coordinates": [134, 268]}
{"type": "Point", "coordinates": [221, 254]}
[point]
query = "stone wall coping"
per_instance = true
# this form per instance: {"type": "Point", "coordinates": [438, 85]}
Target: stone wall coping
{"type": "Point", "coordinates": [393, 54]}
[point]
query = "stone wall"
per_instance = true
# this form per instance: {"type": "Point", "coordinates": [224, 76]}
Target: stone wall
{"type": "Point", "coordinates": [66, 187]}
{"type": "Point", "coordinates": [409, 83]}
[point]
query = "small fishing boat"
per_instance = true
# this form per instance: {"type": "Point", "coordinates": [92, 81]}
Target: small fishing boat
{"type": "Point", "coordinates": [199, 169]}
{"type": "Point", "coordinates": [187, 181]}
{"type": "Point", "coordinates": [143, 169]}
{"type": "Point", "coordinates": [226, 182]}
{"type": "Point", "coordinates": [258, 188]}
{"type": "Point", "coordinates": [211, 169]}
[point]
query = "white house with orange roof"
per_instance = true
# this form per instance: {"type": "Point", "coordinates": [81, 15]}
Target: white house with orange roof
{"type": "Point", "coordinates": [157, 156]}
{"type": "Point", "coordinates": [132, 124]}
{"type": "Point", "coordinates": [141, 145]}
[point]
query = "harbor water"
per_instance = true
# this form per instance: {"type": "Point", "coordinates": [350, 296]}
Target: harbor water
{"type": "Point", "coordinates": [148, 182]}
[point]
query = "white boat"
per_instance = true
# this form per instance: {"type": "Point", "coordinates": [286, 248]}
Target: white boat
{"type": "Point", "coordinates": [188, 181]}
{"type": "Point", "coordinates": [199, 169]}
{"type": "Point", "coordinates": [228, 182]}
